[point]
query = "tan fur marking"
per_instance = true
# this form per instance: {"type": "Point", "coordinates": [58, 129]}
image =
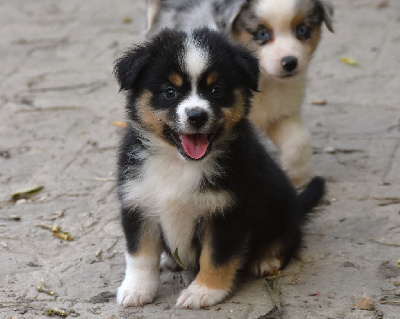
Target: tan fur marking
{"type": "Point", "coordinates": [297, 20]}
{"type": "Point", "coordinates": [176, 79]}
{"type": "Point", "coordinates": [315, 38]}
{"type": "Point", "coordinates": [149, 244]}
{"type": "Point", "coordinates": [216, 277]}
{"type": "Point", "coordinates": [212, 78]}
{"type": "Point", "coordinates": [242, 36]}
{"type": "Point", "coordinates": [152, 119]}
{"type": "Point", "coordinates": [235, 113]}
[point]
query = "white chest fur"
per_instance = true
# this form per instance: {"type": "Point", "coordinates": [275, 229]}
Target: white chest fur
{"type": "Point", "coordinates": [277, 99]}
{"type": "Point", "coordinates": [168, 192]}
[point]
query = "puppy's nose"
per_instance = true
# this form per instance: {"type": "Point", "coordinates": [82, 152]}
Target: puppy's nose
{"type": "Point", "coordinates": [197, 118]}
{"type": "Point", "coordinates": [289, 63]}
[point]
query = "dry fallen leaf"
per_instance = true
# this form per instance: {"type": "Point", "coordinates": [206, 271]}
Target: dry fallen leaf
{"type": "Point", "coordinates": [320, 102]}
{"type": "Point", "coordinates": [56, 230]}
{"type": "Point", "coordinates": [127, 20]}
{"type": "Point", "coordinates": [61, 234]}
{"type": "Point", "coordinates": [119, 123]}
{"type": "Point", "coordinates": [366, 303]}
{"type": "Point", "coordinates": [57, 312]}
{"type": "Point", "coordinates": [382, 4]}
{"type": "Point", "coordinates": [42, 287]}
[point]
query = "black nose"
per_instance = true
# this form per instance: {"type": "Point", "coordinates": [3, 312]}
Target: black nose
{"type": "Point", "coordinates": [197, 118]}
{"type": "Point", "coordinates": [289, 63]}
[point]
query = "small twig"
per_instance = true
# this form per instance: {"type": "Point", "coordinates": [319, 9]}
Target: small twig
{"type": "Point", "coordinates": [390, 202]}
{"type": "Point", "coordinates": [390, 301]}
{"type": "Point", "coordinates": [105, 179]}
{"type": "Point", "coordinates": [45, 226]}
{"type": "Point", "coordinates": [382, 243]}
{"type": "Point", "coordinates": [57, 215]}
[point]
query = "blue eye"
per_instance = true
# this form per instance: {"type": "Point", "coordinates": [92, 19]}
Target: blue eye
{"type": "Point", "coordinates": [303, 32]}
{"type": "Point", "coordinates": [263, 35]}
{"type": "Point", "coordinates": [170, 93]}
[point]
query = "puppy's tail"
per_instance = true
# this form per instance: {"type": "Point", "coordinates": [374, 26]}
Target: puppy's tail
{"type": "Point", "coordinates": [311, 195]}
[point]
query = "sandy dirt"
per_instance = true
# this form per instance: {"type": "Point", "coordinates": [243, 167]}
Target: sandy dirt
{"type": "Point", "coordinates": [57, 100]}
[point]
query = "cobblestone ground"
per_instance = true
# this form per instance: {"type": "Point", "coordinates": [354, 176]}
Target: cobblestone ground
{"type": "Point", "coordinates": [57, 100]}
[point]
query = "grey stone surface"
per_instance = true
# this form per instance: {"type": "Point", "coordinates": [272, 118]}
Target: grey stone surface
{"type": "Point", "coordinates": [57, 100]}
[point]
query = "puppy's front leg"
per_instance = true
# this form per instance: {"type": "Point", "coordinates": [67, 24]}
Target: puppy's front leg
{"type": "Point", "coordinates": [212, 284]}
{"type": "Point", "coordinates": [142, 266]}
{"type": "Point", "coordinates": [293, 142]}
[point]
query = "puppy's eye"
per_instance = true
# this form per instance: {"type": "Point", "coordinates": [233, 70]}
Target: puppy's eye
{"type": "Point", "coordinates": [217, 91]}
{"type": "Point", "coordinates": [263, 35]}
{"type": "Point", "coordinates": [170, 93]}
{"type": "Point", "coordinates": [303, 32]}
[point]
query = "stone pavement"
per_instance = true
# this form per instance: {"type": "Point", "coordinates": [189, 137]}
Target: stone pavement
{"type": "Point", "coordinates": [57, 100]}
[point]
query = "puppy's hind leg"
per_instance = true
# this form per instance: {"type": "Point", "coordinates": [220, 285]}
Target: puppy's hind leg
{"type": "Point", "coordinates": [265, 264]}
{"type": "Point", "coordinates": [293, 142]}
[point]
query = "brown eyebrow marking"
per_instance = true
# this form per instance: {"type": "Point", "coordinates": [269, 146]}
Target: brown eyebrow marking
{"type": "Point", "coordinates": [176, 79]}
{"type": "Point", "coordinates": [298, 19]}
{"type": "Point", "coordinates": [212, 78]}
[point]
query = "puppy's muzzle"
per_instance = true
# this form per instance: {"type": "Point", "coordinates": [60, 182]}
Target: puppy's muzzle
{"type": "Point", "coordinates": [289, 63]}
{"type": "Point", "coordinates": [197, 118]}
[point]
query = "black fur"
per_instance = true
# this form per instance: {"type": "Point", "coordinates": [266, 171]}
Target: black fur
{"type": "Point", "coordinates": [266, 209]}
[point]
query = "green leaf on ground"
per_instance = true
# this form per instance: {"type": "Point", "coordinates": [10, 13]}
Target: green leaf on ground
{"type": "Point", "coordinates": [178, 259]}
{"type": "Point", "coordinates": [25, 192]}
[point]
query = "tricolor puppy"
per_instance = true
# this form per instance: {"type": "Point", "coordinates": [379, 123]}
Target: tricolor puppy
{"type": "Point", "coordinates": [192, 176]}
{"type": "Point", "coordinates": [284, 35]}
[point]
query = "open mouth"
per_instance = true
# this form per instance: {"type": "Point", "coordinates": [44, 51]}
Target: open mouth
{"type": "Point", "coordinates": [193, 146]}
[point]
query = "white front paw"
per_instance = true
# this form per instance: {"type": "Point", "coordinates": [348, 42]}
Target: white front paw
{"type": "Point", "coordinates": [133, 292]}
{"type": "Point", "coordinates": [196, 296]}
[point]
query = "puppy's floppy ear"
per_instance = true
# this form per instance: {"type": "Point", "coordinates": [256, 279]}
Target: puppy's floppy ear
{"type": "Point", "coordinates": [226, 11]}
{"type": "Point", "coordinates": [249, 66]}
{"type": "Point", "coordinates": [327, 12]}
{"type": "Point", "coordinates": [128, 67]}
{"type": "Point", "coordinates": [153, 7]}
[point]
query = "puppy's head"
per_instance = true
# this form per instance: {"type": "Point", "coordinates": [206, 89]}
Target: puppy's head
{"type": "Point", "coordinates": [285, 33]}
{"type": "Point", "coordinates": [188, 90]}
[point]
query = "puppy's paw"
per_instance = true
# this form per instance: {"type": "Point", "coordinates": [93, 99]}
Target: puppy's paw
{"type": "Point", "coordinates": [168, 263]}
{"type": "Point", "coordinates": [266, 267]}
{"type": "Point", "coordinates": [133, 293]}
{"type": "Point", "coordinates": [196, 296]}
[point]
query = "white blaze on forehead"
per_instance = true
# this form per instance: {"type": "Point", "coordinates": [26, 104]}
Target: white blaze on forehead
{"type": "Point", "coordinates": [195, 59]}
{"type": "Point", "coordinates": [277, 13]}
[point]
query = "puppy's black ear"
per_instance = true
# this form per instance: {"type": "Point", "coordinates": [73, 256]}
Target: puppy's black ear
{"type": "Point", "coordinates": [327, 12]}
{"type": "Point", "coordinates": [249, 66]}
{"type": "Point", "coordinates": [128, 67]}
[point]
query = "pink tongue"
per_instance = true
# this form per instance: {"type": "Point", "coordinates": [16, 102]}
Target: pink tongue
{"type": "Point", "coordinates": [195, 145]}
